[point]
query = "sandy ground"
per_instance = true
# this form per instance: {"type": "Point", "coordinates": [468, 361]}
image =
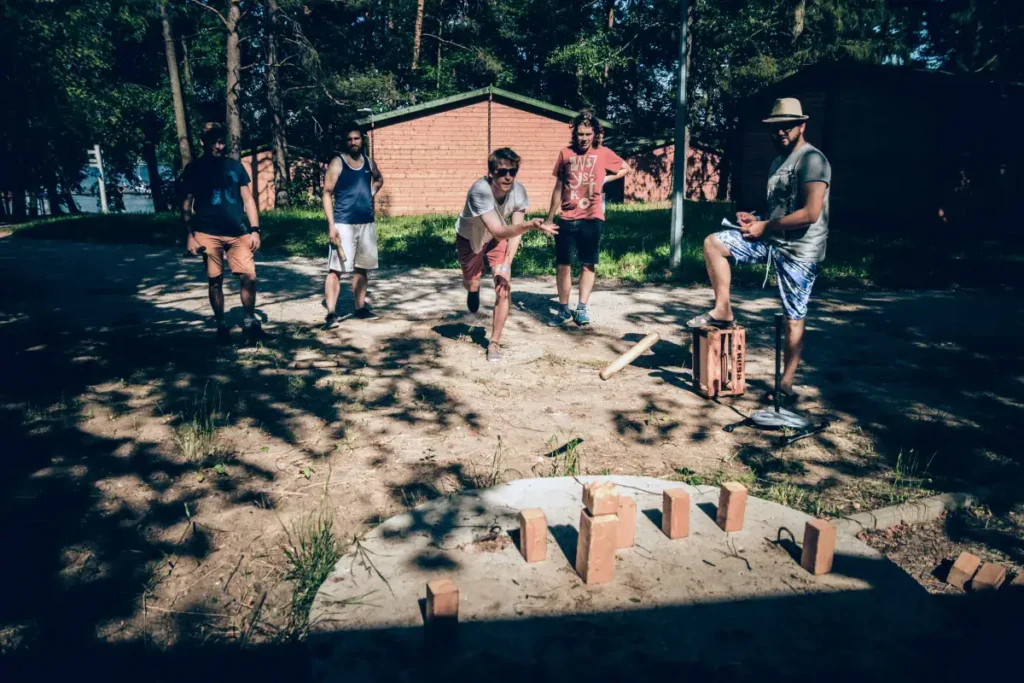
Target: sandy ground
{"type": "Point", "coordinates": [106, 351]}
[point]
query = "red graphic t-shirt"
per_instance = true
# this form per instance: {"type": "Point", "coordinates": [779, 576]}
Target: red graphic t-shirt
{"type": "Point", "coordinates": [582, 177]}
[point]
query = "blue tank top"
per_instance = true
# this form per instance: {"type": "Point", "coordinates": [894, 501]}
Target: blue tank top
{"type": "Point", "coordinates": [353, 201]}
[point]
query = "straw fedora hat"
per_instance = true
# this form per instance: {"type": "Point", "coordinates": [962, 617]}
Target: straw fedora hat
{"type": "Point", "coordinates": [786, 109]}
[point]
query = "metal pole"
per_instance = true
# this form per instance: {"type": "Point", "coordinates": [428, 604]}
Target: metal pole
{"type": "Point", "coordinates": [778, 360]}
{"type": "Point", "coordinates": [679, 163]}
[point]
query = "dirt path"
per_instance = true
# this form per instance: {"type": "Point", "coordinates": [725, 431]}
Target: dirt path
{"type": "Point", "coordinates": [107, 352]}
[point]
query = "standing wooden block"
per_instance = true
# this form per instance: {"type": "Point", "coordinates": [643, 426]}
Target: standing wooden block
{"type": "Point", "coordinates": [719, 361]}
{"type": "Point", "coordinates": [533, 535]}
{"type": "Point", "coordinates": [626, 532]}
{"type": "Point", "coordinates": [595, 550]}
{"type": "Point", "coordinates": [675, 513]}
{"type": "Point", "coordinates": [601, 498]}
{"type": "Point", "coordinates": [732, 506]}
{"type": "Point", "coordinates": [819, 547]}
{"type": "Point", "coordinates": [442, 602]}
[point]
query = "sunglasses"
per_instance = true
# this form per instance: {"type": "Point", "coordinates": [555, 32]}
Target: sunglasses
{"type": "Point", "coordinates": [502, 172]}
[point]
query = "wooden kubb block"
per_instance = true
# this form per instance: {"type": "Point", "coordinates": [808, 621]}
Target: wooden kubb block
{"type": "Point", "coordinates": [601, 498]}
{"type": "Point", "coordinates": [963, 570]}
{"type": "Point", "coordinates": [819, 547]}
{"type": "Point", "coordinates": [442, 602]}
{"type": "Point", "coordinates": [989, 578]}
{"type": "Point", "coordinates": [626, 532]}
{"type": "Point", "coordinates": [533, 535]}
{"type": "Point", "coordinates": [595, 550]}
{"type": "Point", "coordinates": [675, 513]}
{"type": "Point", "coordinates": [732, 506]}
{"type": "Point", "coordinates": [719, 361]}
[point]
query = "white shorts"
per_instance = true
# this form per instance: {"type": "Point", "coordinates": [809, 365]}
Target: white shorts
{"type": "Point", "coordinates": [359, 242]}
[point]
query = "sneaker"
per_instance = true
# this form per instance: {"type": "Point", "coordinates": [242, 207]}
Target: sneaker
{"type": "Point", "coordinates": [330, 322]}
{"type": "Point", "coordinates": [582, 317]}
{"type": "Point", "coordinates": [365, 313]}
{"type": "Point", "coordinates": [494, 352]}
{"type": "Point", "coordinates": [223, 335]}
{"type": "Point", "coordinates": [561, 317]}
{"type": "Point", "coordinates": [473, 301]}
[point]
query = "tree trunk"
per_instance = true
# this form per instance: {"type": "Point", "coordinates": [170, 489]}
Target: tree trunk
{"type": "Point", "coordinates": [234, 65]}
{"type": "Point", "coordinates": [280, 147]}
{"type": "Point", "coordinates": [186, 69]}
{"type": "Point", "coordinates": [417, 35]}
{"type": "Point", "coordinates": [798, 19]}
{"type": "Point", "coordinates": [180, 120]}
{"type": "Point", "coordinates": [18, 206]}
{"type": "Point", "coordinates": [69, 199]}
{"type": "Point", "coordinates": [53, 196]}
{"type": "Point", "coordinates": [610, 14]}
{"type": "Point", "coordinates": [156, 185]}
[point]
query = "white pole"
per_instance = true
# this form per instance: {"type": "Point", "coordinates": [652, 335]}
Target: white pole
{"type": "Point", "coordinates": [679, 162]}
{"type": "Point", "coordinates": [102, 182]}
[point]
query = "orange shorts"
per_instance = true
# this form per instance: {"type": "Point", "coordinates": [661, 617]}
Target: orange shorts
{"type": "Point", "coordinates": [238, 249]}
{"type": "Point", "coordinates": [493, 254]}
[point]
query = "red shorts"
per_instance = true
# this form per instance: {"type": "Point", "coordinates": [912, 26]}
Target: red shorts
{"type": "Point", "coordinates": [473, 264]}
{"type": "Point", "coordinates": [238, 250]}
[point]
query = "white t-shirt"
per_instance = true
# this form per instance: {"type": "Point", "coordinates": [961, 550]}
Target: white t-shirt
{"type": "Point", "coordinates": [480, 200]}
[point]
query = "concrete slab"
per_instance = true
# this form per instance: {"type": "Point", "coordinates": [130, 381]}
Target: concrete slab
{"type": "Point", "coordinates": [724, 604]}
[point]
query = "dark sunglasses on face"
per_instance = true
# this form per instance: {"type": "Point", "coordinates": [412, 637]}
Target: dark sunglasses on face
{"type": "Point", "coordinates": [502, 172]}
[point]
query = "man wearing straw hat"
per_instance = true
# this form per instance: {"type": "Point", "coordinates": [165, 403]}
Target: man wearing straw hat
{"type": "Point", "coordinates": [793, 238]}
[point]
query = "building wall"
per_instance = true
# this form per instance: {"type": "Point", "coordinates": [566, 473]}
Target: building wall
{"type": "Point", "coordinates": [429, 162]}
{"type": "Point", "coordinates": [262, 175]}
{"type": "Point", "coordinates": [650, 176]}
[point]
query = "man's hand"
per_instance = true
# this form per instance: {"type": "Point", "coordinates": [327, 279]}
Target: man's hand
{"type": "Point", "coordinates": [335, 237]}
{"type": "Point", "coordinates": [502, 284]}
{"type": "Point", "coordinates": [743, 218]}
{"type": "Point", "coordinates": [254, 241]}
{"type": "Point", "coordinates": [192, 244]}
{"type": "Point", "coordinates": [547, 228]}
{"type": "Point", "coordinates": [753, 231]}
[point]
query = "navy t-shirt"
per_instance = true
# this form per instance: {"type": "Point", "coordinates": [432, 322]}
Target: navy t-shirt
{"type": "Point", "coordinates": [215, 185]}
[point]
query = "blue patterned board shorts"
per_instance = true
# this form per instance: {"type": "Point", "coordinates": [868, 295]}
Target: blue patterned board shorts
{"type": "Point", "coordinates": [795, 277]}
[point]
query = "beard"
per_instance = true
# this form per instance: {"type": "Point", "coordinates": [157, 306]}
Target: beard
{"type": "Point", "coordinates": [784, 148]}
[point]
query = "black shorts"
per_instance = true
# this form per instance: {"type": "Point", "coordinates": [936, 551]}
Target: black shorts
{"type": "Point", "coordinates": [583, 236]}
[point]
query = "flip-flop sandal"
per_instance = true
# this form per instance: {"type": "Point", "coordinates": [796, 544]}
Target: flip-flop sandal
{"type": "Point", "coordinates": [705, 320]}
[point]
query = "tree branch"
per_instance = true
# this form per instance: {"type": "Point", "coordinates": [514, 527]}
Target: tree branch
{"type": "Point", "coordinates": [448, 42]}
{"type": "Point", "coordinates": [212, 9]}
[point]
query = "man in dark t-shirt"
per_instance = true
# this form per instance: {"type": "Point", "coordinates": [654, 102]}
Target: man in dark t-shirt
{"type": "Point", "coordinates": [218, 199]}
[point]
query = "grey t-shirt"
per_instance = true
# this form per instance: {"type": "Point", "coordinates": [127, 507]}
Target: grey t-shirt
{"type": "Point", "coordinates": [786, 181]}
{"type": "Point", "coordinates": [480, 200]}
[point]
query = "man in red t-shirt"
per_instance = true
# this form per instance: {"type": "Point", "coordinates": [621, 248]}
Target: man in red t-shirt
{"type": "Point", "coordinates": [580, 173]}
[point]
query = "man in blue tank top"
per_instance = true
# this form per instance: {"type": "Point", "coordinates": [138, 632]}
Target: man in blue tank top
{"type": "Point", "coordinates": [352, 181]}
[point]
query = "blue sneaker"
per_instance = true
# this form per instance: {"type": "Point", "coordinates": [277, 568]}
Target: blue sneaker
{"type": "Point", "coordinates": [561, 317]}
{"type": "Point", "coordinates": [582, 317]}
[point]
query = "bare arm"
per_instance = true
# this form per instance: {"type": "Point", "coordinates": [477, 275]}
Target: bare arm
{"type": "Point", "coordinates": [556, 201]}
{"type": "Point", "coordinates": [805, 215]}
{"type": "Point", "coordinates": [191, 245]}
{"type": "Point", "coordinates": [504, 232]}
{"type": "Point", "coordinates": [621, 173]}
{"type": "Point", "coordinates": [376, 178]}
{"type": "Point", "coordinates": [513, 244]}
{"type": "Point", "coordinates": [814, 193]}
{"type": "Point", "coordinates": [253, 214]}
{"type": "Point", "coordinates": [330, 180]}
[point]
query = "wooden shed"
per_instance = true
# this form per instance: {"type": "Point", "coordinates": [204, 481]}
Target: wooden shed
{"type": "Point", "coordinates": [650, 176]}
{"type": "Point", "coordinates": [908, 147]}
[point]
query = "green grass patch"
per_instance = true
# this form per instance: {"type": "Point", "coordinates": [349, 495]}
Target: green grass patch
{"type": "Point", "coordinates": [635, 247]}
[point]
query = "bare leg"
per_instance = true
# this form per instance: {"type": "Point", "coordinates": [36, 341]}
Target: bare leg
{"type": "Point", "coordinates": [217, 298]}
{"type": "Point", "coordinates": [586, 283]}
{"type": "Point", "coordinates": [332, 287]}
{"type": "Point", "coordinates": [793, 350]}
{"type": "Point", "coordinates": [501, 307]}
{"type": "Point", "coordinates": [564, 281]}
{"type": "Point", "coordinates": [359, 280]}
{"type": "Point", "coordinates": [248, 295]}
{"type": "Point", "coordinates": [716, 257]}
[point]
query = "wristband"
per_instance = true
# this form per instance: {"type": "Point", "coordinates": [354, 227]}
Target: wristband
{"type": "Point", "coordinates": [255, 229]}
{"type": "Point", "coordinates": [504, 269]}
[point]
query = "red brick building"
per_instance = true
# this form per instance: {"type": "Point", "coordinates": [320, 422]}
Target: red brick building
{"type": "Point", "coordinates": [431, 153]}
